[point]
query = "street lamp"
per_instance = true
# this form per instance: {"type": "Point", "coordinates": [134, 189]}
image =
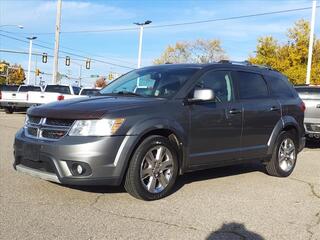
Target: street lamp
{"type": "Point", "coordinates": [12, 25]}
{"type": "Point", "coordinates": [30, 53]}
{"type": "Point", "coordinates": [141, 25]}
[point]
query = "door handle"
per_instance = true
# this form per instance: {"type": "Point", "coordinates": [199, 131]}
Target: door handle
{"type": "Point", "coordinates": [274, 108]}
{"type": "Point", "coordinates": [235, 111]}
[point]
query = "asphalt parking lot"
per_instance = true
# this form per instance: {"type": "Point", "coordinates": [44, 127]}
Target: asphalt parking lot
{"type": "Point", "coordinates": [238, 202]}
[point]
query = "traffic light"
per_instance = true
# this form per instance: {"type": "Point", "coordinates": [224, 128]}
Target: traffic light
{"type": "Point", "coordinates": [110, 76]}
{"type": "Point", "coordinates": [88, 64]}
{"type": "Point", "coordinates": [38, 72]}
{"type": "Point", "coordinates": [67, 61]}
{"type": "Point", "coordinates": [44, 57]}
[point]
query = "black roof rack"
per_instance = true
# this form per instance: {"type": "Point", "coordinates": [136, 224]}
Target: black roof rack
{"type": "Point", "coordinates": [246, 63]}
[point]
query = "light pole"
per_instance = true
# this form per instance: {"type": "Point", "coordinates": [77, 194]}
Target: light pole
{"type": "Point", "coordinates": [311, 40]}
{"type": "Point", "coordinates": [30, 54]}
{"type": "Point", "coordinates": [141, 25]}
{"type": "Point", "coordinates": [12, 25]}
{"type": "Point", "coordinates": [56, 44]}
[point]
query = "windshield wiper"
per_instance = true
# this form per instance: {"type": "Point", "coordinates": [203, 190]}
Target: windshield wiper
{"type": "Point", "coordinates": [127, 93]}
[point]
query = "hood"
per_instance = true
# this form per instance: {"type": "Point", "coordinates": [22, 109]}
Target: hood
{"type": "Point", "coordinates": [89, 107]}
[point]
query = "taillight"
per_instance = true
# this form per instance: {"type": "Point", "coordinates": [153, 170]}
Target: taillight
{"type": "Point", "coordinates": [302, 106]}
{"type": "Point", "coordinates": [60, 98]}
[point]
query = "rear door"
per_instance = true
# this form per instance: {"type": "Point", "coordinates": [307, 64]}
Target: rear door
{"type": "Point", "coordinates": [261, 112]}
{"type": "Point", "coordinates": [215, 126]}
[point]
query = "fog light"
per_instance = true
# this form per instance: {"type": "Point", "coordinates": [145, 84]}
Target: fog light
{"type": "Point", "coordinates": [79, 169]}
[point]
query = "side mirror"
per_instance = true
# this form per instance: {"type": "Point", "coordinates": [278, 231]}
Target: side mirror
{"type": "Point", "coordinates": [202, 95]}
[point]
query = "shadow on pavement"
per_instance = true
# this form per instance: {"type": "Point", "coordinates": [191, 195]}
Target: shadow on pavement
{"type": "Point", "coordinates": [218, 173]}
{"type": "Point", "coordinates": [312, 144]}
{"type": "Point", "coordinates": [233, 231]}
{"type": "Point", "coordinates": [184, 179]}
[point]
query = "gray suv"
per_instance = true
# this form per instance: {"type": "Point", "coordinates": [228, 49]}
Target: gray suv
{"type": "Point", "coordinates": [155, 123]}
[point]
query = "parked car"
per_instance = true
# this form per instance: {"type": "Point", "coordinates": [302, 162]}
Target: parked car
{"type": "Point", "coordinates": [189, 117]}
{"type": "Point", "coordinates": [89, 91]}
{"type": "Point", "coordinates": [17, 99]}
{"type": "Point", "coordinates": [52, 93]}
{"type": "Point", "coordinates": [311, 97]}
{"type": "Point", "coordinates": [5, 87]}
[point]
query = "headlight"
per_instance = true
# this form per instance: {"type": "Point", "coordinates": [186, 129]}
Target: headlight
{"type": "Point", "coordinates": [26, 120]}
{"type": "Point", "coordinates": [101, 127]}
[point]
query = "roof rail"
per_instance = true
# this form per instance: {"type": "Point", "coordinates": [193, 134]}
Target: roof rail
{"type": "Point", "coordinates": [246, 63]}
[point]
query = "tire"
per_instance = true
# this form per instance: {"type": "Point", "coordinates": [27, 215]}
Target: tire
{"type": "Point", "coordinates": [9, 110]}
{"type": "Point", "coordinates": [147, 171]}
{"type": "Point", "coordinates": [283, 161]}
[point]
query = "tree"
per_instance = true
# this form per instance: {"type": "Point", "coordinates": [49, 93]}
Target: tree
{"type": "Point", "coordinates": [291, 57]}
{"type": "Point", "coordinates": [198, 51]}
{"type": "Point", "coordinates": [100, 82]}
{"type": "Point", "coordinates": [16, 74]}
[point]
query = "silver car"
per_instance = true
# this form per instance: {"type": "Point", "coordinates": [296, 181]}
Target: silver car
{"type": "Point", "coordinates": [311, 97]}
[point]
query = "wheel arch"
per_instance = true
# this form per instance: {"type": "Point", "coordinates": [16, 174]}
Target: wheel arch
{"type": "Point", "coordinates": [286, 123]}
{"type": "Point", "coordinates": [173, 131]}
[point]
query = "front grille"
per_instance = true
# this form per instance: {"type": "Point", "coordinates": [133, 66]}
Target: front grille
{"type": "Point", "coordinates": [34, 120]}
{"type": "Point", "coordinates": [32, 131]}
{"type": "Point", "coordinates": [47, 128]}
{"type": "Point", "coordinates": [53, 134]}
{"type": "Point", "coordinates": [39, 165]}
{"type": "Point", "coordinates": [59, 122]}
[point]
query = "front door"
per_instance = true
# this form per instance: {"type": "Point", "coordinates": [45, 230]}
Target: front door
{"type": "Point", "coordinates": [215, 126]}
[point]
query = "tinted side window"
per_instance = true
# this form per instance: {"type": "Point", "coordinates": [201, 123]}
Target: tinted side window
{"type": "Point", "coordinates": [220, 82]}
{"type": "Point", "coordinates": [279, 87]}
{"type": "Point", "coordinates": [251, 85]}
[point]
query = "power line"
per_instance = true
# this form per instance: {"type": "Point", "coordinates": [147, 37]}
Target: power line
{"type": "Point", "coordinates": [178, 24]}
{"type": "Point", "coordinates": [68, 53]}
{"type": "Point", "coordinates": [95, 55]}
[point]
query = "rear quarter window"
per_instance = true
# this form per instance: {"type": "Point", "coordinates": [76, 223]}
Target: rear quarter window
{"type": "Point", "coordinates": [280, 87]}
{"type": "Point", "coordinates": [251, 85]}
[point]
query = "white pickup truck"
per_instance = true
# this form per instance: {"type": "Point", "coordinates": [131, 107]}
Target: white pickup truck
{"type": "Point", "coordinates": [15, 100]}
{"type": "Point", "coordinates": [53, 93]}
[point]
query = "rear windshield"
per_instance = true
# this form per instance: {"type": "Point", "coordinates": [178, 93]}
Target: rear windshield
{"type": "Point", "coordinates": [308, 90]}
{"type": "Point", "coordinates": [89, 92]}
{"type": "Point", "coordinates": [58, 89]}
{"type": "Point", "coordinates": [8, 88]}
{"type": "Point", "coordinates": [29, 88]}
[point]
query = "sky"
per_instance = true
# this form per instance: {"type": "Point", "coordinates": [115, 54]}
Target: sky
{"type": "Point", "coordinates": [238, 36]}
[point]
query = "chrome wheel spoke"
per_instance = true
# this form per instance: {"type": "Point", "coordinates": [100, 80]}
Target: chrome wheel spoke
{"type": "Point", "coordinates": [152, 184]}
{"type": "Point", "coordinates": [166, 165]}
{"type": "Point", "coordinates": [161, 151]}
{"type": "Point", "coordinates": [147, 172]}
{"type": "Point", "coordinates": [163, 180]}
{"type": "Point", "coordinates": [150, 159]}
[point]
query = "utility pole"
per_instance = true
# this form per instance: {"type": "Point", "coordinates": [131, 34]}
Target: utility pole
{"type": "Point", "coordinates": [56, 44]}
{"type": "Point", "coordinates": [30, 55]}
{"type": "Point", "coordinates": [311, 40]}
{"type": "Point", "coordinates": [141, 25]}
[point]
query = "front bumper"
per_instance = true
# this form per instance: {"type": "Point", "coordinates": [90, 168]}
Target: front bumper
{"type": "Point", "coordinates": [104, 159]}
{"type": "Point", "coordinates": [15, 104]}
{"type": "Point", "coordinates": [312, 127]}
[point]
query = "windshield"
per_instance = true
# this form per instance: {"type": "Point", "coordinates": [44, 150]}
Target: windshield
{"type": "Point", "coordinates": [152, 82]}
